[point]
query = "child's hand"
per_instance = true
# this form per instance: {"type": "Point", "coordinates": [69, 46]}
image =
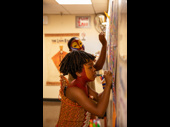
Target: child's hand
{"type": "Point", "coordinates": [102, 38]}
{"type": "Point", "coordinates": [108, 77]}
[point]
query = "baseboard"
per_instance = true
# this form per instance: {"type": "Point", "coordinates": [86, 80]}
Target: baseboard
{"type": "Point", "coordinates": [51, 99]}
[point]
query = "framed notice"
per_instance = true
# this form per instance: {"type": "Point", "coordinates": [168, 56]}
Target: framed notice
{"type": "Point", "coordinates": [83, 21]}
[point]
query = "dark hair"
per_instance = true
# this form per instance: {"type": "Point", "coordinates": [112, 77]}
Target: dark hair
{"type": "Point", "coordinates": [73, 62]}
{"type": "Point", "coordinates": [69, 42]}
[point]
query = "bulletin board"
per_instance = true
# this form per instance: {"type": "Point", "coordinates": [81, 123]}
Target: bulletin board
{"type": "Point", "coordinates": [56, 49]}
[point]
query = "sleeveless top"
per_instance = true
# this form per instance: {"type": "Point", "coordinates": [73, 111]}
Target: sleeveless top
{"type": "Point", "coordinates": [72, 114]}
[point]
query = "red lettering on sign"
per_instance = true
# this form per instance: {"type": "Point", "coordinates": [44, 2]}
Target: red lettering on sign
{"type": "Point", "coordinates": [83, 21]}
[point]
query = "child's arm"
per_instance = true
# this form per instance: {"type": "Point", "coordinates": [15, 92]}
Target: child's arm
{"type": "Point", "coordinates": [94, 95]}
{"type": "Point", "coordinates": [99, 109]}
{"type": "Point", "coordinates": [100, 62]}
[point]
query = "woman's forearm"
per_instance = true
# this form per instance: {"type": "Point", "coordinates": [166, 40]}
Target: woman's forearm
{"type": "Point", "coordinates": [100, 62]}
{"type": "Point", "coordinates": [103, 100]}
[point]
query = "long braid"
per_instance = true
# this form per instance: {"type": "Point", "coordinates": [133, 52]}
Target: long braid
{"type": "Point", "coordinates": [73, 62]}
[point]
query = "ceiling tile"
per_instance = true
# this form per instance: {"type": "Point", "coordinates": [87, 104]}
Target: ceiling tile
{"type": "Point", "coordinates": [78, 7]}
{"type": "Point", "coordinates": [52, 7]}
{"type": "Point", "coordinates": [99, 1]}
{"type": "Point", "coordinates": [100, 8]}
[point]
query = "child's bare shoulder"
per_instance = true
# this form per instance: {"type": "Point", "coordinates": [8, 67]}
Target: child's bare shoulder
{"type": "Point", "coordinates": [74, 92]}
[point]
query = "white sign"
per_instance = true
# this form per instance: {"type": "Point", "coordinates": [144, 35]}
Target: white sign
{"type": "Point", "coordinates": [83, 36]}
{"type": "Point", "coordinates": [83, 21]}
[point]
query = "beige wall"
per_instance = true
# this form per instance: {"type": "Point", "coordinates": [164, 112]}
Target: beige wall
{"type": "Point", "coordinates": [66, 24]}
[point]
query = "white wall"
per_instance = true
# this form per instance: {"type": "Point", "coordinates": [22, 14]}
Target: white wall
{"type": "Point", "coordinates": [121, 84]}
{"type": "Point", "coordinates": [66, 24]}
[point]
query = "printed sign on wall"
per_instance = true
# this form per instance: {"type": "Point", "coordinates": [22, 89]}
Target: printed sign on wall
{"type": "Point", "coordinates": [83, 21]}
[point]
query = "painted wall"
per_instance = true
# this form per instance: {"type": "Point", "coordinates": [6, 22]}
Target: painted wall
{"type": "Point", "coordinates": [121, 84]}
{"type": "Point", "coordinates": [66, 24]}
{"type": "Point", "coordinates": [118, 27]}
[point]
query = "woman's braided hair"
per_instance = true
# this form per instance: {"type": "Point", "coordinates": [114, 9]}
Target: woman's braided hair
{"type": "Point", "coordinates": [73, 62]}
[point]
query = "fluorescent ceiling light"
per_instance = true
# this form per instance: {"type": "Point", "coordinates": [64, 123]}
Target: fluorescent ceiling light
{"type": "Point", "coordinates": [74, 1]}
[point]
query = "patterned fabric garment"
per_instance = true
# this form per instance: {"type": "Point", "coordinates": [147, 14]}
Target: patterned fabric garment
{"type": "Point", "coordinates": [72, 114]}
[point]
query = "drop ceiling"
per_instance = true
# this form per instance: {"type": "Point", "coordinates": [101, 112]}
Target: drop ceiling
{"type": "Point", "coordinates": [97, 7]}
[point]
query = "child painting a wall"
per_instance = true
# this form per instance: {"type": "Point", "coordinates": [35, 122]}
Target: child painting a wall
{"type": "Point", "coordinates": [77, 98]}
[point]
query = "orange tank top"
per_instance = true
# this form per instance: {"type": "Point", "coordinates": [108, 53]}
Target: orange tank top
{"type": "Point", "coordinates": [72, 114]}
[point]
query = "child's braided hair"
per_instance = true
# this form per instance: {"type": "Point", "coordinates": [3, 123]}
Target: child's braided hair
{"type": "Point", "coordinates": [73, 62]}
